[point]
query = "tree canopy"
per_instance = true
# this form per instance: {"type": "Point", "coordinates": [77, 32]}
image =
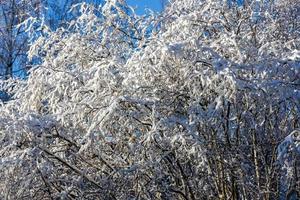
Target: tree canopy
{"type": "Point", "coordinates": [201, 101]}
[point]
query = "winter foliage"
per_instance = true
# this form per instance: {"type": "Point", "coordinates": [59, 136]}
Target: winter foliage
{"type": "Point", "coordinates": [201, 101]}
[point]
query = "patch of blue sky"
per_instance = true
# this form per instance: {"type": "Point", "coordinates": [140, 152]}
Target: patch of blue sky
{"type": "Point", "coordinates": [142, 5]}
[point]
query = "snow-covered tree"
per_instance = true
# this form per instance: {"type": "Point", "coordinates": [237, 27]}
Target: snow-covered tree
{"type": "Point", "coordinates": [199, 102]}
{"type": "Point", "coordinates": [13, 41]}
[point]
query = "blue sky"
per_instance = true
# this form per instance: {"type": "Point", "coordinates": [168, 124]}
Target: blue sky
{"type": "Point", "coordinates": [141, 5]}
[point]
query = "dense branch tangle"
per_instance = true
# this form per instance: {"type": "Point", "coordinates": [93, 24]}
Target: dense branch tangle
{"type": "Point", "coordinates": [198, 102]}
